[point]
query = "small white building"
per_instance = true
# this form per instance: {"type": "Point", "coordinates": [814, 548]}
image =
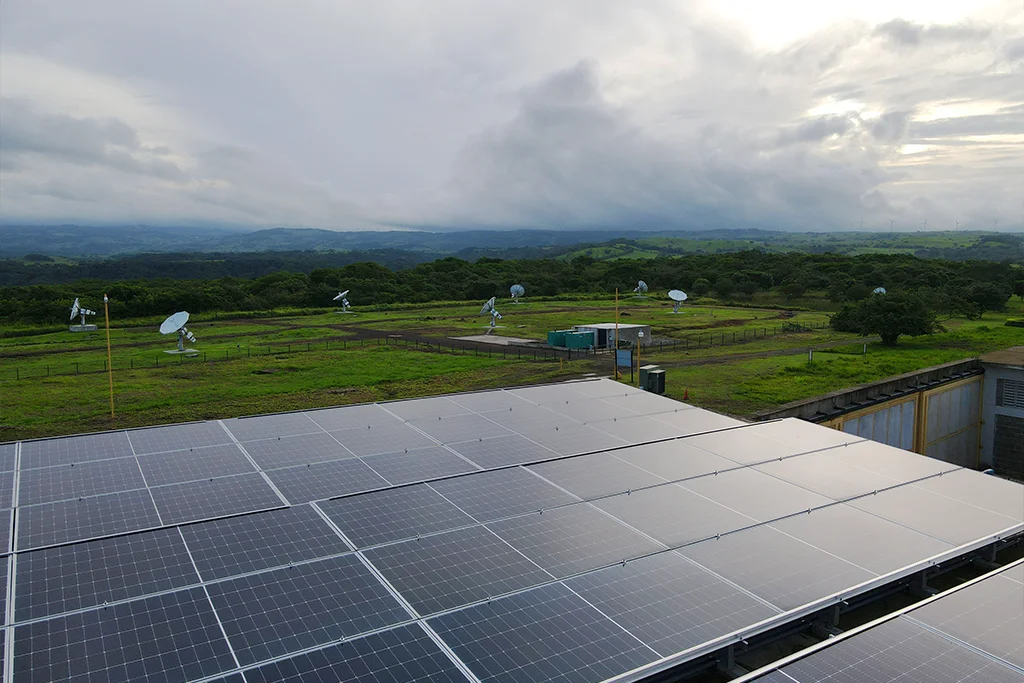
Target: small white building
{"type": "Point", "coordinates": [604, 334]}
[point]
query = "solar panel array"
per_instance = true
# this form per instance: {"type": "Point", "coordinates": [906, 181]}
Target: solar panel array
{"type": "Point", "coordinates": [514, 535]}
{"type": "Point", "coordinates": [974, 633]}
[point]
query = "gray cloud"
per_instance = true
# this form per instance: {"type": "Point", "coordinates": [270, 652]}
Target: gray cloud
{"type": "Point", "coordinates": [903, 32]}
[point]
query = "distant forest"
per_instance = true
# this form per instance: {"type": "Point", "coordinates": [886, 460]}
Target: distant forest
{"type": "Point", "coordinates": [952, 287]}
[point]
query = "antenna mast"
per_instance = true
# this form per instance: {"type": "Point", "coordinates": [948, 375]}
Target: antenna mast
{"type": "Point", "coordinates": [110, 364]}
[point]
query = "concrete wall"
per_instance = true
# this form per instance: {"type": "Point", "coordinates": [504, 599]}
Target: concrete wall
{"type": "Point", "coordinates": [1002, 436]}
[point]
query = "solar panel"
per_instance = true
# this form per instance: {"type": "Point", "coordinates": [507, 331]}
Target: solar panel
{"type": "Point", "coordinates": [825, 474]}
{"type": "Point", "coordinates": [271, 426]}
{"type": "Point", "coordinates": [210, 498]}
{"type": "Point", "coordinates": [425, 407]}
{"type": "Point", "coordinates": [572, 539]}
{"type": "Point", "coordinates": [587, 409]}
{"type": "Point", "coordinates": [932, 514]}
{"type": "Point", "coordinates": [236, 545]}
{"type": "Point", "coordinates": [573, 439]}
{"type": "Point", "coordinates": [695, 421]}
{"type": "Point", "coordinates": [804, 436]}
{"type": "Point", "coordinates": [500, 493]}
{"type": "Point", "coordinates": [404, 654]}
{"type": "Point", "coordinates": [460, 428]}
{"type": "Point", "coordinates": [201, 463]}
{"type": "Point", "coordinates": [602, 388]}
{"type": "Point", "coordinates": [484, 401]}
{"type": "Point", "coordinates": [64, 482]}
{"type": "Point", "coordinates": [502, 451]}
{"type": "Point", "coordinates": [546, 635]}
{"type": "Point", "coordinates": [589, 476]}
{"type": "Point", "coordinates": [898, 650]}
{"type": "Point", "coordinates": [674, 460]}
{"type": "Point", "coordinates": [638, 429]}
{"type": "Point", "coordinates": [325, 479]}
{"type": "Point", "coordinates": [744, 446]}
{"type": "Point", "coordinates": [351, 417]}
{"type": "Point", "coordinates": [448, 570]}
{"type": "Point", "coordinates": [5, 530]}
{"type": "Point", "coordinates": [6, 489]}
{"type": "Point", "coordinates": [85, 518]}
{"type": "Point", "coordinates": [776, 567]}
{"type": "Point", "coordinates": [273, 613]}
{"type": "Point", "coordinates": [548, 393]}
{"type": "Point", "coordinates": [81, 575]}
{"type": "Point", "coordinates": [178, 437]}
{"type": "Point", "coordinates": [672, 514]}
{"type": "Point", "coordinates": [983, 491]}
{"type": "Point", "coordinates": [290, 451]}
{"type": "Point", "coordinates": [173, 636]}
{"type": "Point", "coordinates": [383, 439]}
{"type": "Point", "coordinates": [989, 615]}
{"type": "Point", "coordinates": [646, 403]}
{"type": "Point", "coordinates": [393, 514]}
{"type": "Point", "coordinates": [529, 419]}
{"type": "Point", "coordinates": [668, 602]}
{"type": "Point", "coordinates": [3, 600]}
{"type": "Point", "coordinates": [418, 465]}
{"type": "Point", "coordinates": [871, 542]}
{"type": "Point", "coordinates": [889, 461]}
{"type": "Point", "coordinates": [755, 494]}
{"type": "Point", "coordinates": [51, 452]}
{"type": "Point", "coordinates": [7, 456]}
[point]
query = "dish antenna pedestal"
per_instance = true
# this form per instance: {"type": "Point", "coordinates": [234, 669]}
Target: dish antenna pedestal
{"type": "Point", "coordinates": [640, 289]}
{"type": "Point", "coordinates": [489, 309]}
{"type": "Point", "coordinates": [78, 312]}
{"type": "Point", "coordinates": [678, 296]}
{"type": "Point", "coordinates": [343, 298]}
{"type": "Point", "coordinates": [176, 323]}
{"type": "Point", "coordinates": [516, 291]}
{"type": "Point", "coordinates": [878, 290]}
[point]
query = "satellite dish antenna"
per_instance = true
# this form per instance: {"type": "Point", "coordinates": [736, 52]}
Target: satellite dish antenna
{"type": "Point", "coordinates": [879, 290]}
{"type": "Point", "coordinates": [176, 323]}
{"type": "Point", "coordinates": [343, 298]}
{"type": "Point", "coordinates": [641, 288]}
{"type": "Point", "coordinates": [489, 309]}
{"type": "Point", "coordinates": [516, 291]}
{"type": "Point", "coordinates": [77, 311]}
{"type": "Point", "coordinates": [678, 296]}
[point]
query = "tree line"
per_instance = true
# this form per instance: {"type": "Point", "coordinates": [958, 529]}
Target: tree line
{"type": "Point", "coordinates": [949, 287]}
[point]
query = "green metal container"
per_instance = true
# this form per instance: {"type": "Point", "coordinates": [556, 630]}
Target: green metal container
{"type": "Point", "coordinates": [556, 338]}
{"type": "Point", "coordinates": [579, 340]}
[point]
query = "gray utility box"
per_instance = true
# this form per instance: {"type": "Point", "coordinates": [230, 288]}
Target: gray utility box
{"type": "Point", "coordinates": [645, 370]}
{"type": "Point", "coordinates": [652, 378]}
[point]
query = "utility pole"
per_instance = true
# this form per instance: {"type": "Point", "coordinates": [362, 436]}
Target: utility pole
{"type": "Point", "coordinates": [110, 365]}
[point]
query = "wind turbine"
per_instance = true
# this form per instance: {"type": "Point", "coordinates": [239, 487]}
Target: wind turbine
{"type": "Point", "coordinates": [890, 223]}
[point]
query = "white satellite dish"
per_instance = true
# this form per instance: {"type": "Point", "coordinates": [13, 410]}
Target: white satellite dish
{"type": "Point", "coordinates": [516, 291]}
{"type": "Point", "coordinates": [678, 296]}
{"type": "Point", "coordinates": [77, 311]}
{"type": "Point", "coordinates": [176, 323]}
{"type": "Point", "coordinates": [641, 288]}
{"type": "Point", "coordinates": [489, 309]}
{"type": "Point", "coordinates": [879, 290]}
{"type": "Point", "coordinates": [343, 298]}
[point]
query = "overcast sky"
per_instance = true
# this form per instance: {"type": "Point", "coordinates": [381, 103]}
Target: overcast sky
{"type": "Point", "coordinates": [802, 115]}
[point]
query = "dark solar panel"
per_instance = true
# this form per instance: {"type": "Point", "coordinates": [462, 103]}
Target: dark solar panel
{"type": "Point", "coordinates": [418, 465]}
{"type": "Point", "coordinates": [393, 515]}
{"type": "Point", "coordinates": [64, 482]}
{"type": "Point", "coordinates": [236, 545]}
{"type": "Point", "coordinates": [350, 417]}
{"type": "Point", "coordinates": [7, 456]}
{"type": "Point", "coordinates": [405, 654]}
{"type": "Point", "coordinates": [600, 474]}
{"type": "Point", "coordinates": [383, 439]}
{"type": "Point", "coordinates": [646, 403]}
{"type": "Point", "coordinates": [638, 429]}
{"type": "Point", "coordinates": [672, 514]}
{"type": "Point", "coordinates": [80, 575]}
{"type": "Point", "coordinates": [776, 567]}
{"type": "Point", "coordinates": [825, 474]}
{"type": "Point", "coordinates": [500, 493]}
{"type": "Point", "coordinates": [529, 419]}
{"type": "Point", "coordinates": [325, 480]}
{"type": "Point", "coordinates": [201, 463]}
{"type": "Point", "coordinates": [586, 409]}
{"type": "Point", "coordinates": [210, 498]}
{"type": "Point", "coordinates": [485, 401]}
{"type": "Point", "coordinates": [574, 439]}
{"type": "Point", "coordinates": [668, 602]}
{"type": "Point", "coordinates": [502, 451]}
{"type": "Point", "coordinates": [989, 615]}
{"type": "Point", "coordinates": [3, 597]}
{"type": "Point", "coordinates": [50, 452]}
{"type": "Point", "coordinates": [572, 539]}
{"type": "Point", "coordinates": [291, 451]}
{"type": "Point", "coordinates": [545, 635]}
{"type": "Point", "coordinates": [5, 530]}
{"type": "Point", "coordinates": [171, 637]}
{"type": "Point", "coordinates": [755, 494]}
{"type": "Point", "coordinates": [80, 519]}
{"type": "Point", "coordinates": [460, 428]}
{"type": "Point", "coordinates": [437, 406]}
{"type": "Point", "coordinates": [6, 489]}
{"type": "Point", "coordinates": [448, 570]}
{"type": "Point", "coordinates": [273, 613]}
{"type": "Point", "coordinates": [178, 437]}
{"type": "Point", "coordinates": [898, 650]}
{"type": "Point", "coordinates": [271, 426]}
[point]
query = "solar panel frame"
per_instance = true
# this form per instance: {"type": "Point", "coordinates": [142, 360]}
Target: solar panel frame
{"type": "Point", "coordinates": [254, 542]}
{"type": "Point", "coordinates": [270, 614]}
{"type": "Point", "coordinates": [210, 498]}
{"type": "Point", "coordinates": [326, 480]}
{"type": "Point", "coordinates": [85, 518]}
{"type": "Point", "coordinates": [83, 575]}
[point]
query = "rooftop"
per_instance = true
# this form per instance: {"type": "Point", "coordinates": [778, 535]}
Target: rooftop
{"type": "Point", "coordinates": [1013, 356]}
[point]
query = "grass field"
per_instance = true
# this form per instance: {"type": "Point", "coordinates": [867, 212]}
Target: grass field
{"type": "Point", "coordinates": [40, 394]}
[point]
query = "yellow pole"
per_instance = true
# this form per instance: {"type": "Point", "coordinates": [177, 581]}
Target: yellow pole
{"type": "Point", "coordinates": [110, 365]}
{"type": "Point", "coordinates": [639, 343]}
{"type": "Point", "coordinates": [615, 351]}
